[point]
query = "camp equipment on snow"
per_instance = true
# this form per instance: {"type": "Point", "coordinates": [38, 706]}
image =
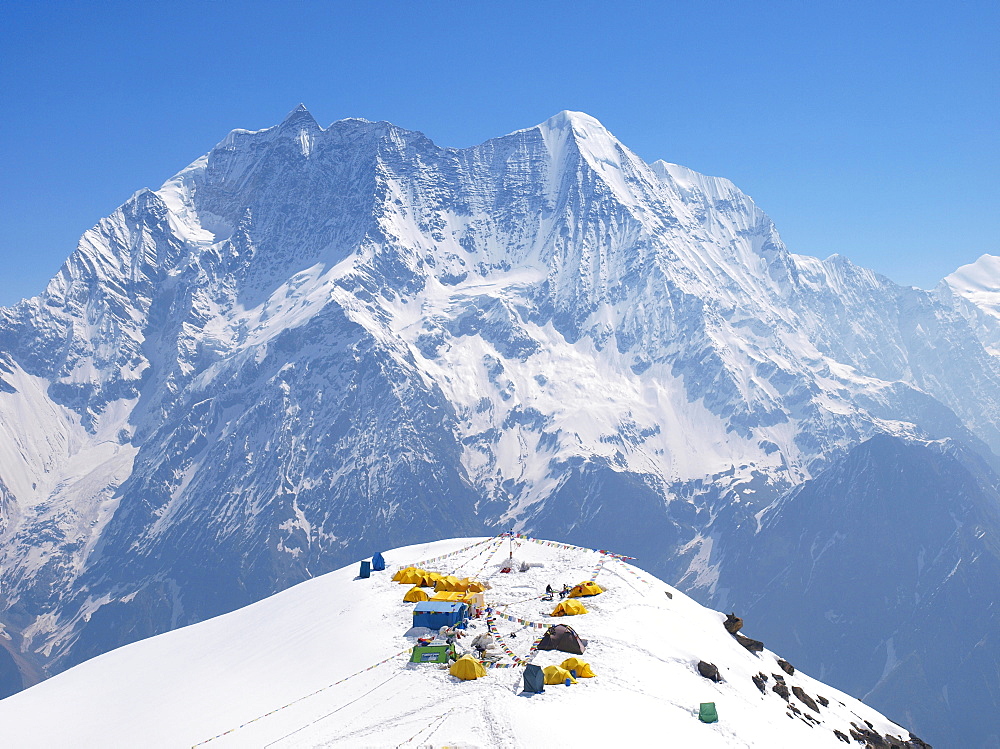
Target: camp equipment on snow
{"type": "Point", "coordinates": [366, 570]}
{"type": "Point", "coordinates": [580, 667]}
{"type": "Point", "coordinates": [586, 588]}
{"type": "Point", "coordinates": [534, 679]}
{"type": "Point", "coordinates": [433, 654]}
{"type": "Point", "coordinates": [467, 668]}
{"type": "Point", "coordinates": [558, 675]}
{"type": "Point", "coordinates": [482, 642]}
{"type": "Point", "coordinates": [378, 562]}
{"type": "Point", "coordinates": [569, 607]}
{"type": "Point", "coordinates": [707, 713]}
{"type": "Point", "coordinates": [415, 595]}
{"type": "Point", "coordinates": [562, 637]}
{"type": "Point", "coordinates": [437, 614]}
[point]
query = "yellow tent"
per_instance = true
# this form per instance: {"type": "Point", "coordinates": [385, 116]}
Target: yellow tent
{"type": "Point", "coordinates": [476, 587]}
{"type": "Point", "coordinates": [399, 574]}
{"type": "Point", "coordinates": [586, 588]}
{"type": "Point", "coordinates": [582, 668]}
{"type": "Point", "coordinates": [568, 608]}
{"type": "Point", "coordinates": [415, 595]}
{"type": "Point", "coordinates": [467, 668]}
{"type": "Point", "coordinates": [448, 583]}
{"type": "Point", "coordinates": [410, 576]}
{"type": "Point", "coordinates": [473, 599]}
{"type": "Point", "coordinates": [429, 579]}
{"type": "Point", "coordinates": [557, 675]}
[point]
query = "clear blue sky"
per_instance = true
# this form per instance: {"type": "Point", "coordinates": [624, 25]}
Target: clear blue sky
{"type": "Point", "coordinates": [864, 128]}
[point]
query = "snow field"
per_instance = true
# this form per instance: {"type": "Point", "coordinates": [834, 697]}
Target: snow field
{"type": "Point", "coordinates": [187, 686]}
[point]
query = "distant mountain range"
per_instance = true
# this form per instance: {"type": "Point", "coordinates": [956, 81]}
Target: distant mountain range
{"type": "Point", "coordinates": [313, 343]}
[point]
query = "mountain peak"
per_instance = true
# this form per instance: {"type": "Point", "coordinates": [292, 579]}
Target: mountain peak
{"type": "Point", "coordinates": [300, 115]}
{"type": "Point", "coordinates": [569, 118]}
{"type": "Point", "coordinates": [578, 126]}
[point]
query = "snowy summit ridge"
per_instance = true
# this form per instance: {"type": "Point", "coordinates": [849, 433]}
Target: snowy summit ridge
{"type": "Point", "coordinates": [325, 664]}
{"type": "Point", "coordinates": [311, 342]}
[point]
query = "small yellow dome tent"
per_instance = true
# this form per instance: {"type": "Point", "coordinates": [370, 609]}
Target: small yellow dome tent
{"type": "Point", "coordinates": [568, 607]}
{"type": "Point", "coordinates": [582, 668]}
{"type": "Point", "coordinates": [415, 595]}
{"type": "Point", "coordinates": [399, 573]}
{"type": "Point", "coordinates": [476, 587]}
{"type": "Point", "coordinates": [410, 576]}
{"type": "Point", "coordinates": [557, 675]}
{"type": "Point", "coordinates": [429, 579]}
{"type": "Point", "coordinates": [586, 588]}
{"type": "Point", "coordinates": [467, 668]}
{"type": "Point", "coordinates": [448, 583]}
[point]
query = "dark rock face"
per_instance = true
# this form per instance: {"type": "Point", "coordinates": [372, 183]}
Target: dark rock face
{"type": "Point", "coordinates": [805, 699]}
{"type": "Point", "coordinates": [781, 690]}
{"type": "Point", "coordinates": [709, 671]}
{"type": "Point", "coordinates": [785, 666]}
{"type": "Point", "coordinates": [868, 736]}
{"type": "Point", "coordinates": [754, 646]}
{"type": "Point", "coordinates": [759, 681]}
{"type": "Point", "coordinates": [733, 624]}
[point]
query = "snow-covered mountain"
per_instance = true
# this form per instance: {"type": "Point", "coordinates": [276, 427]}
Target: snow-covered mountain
{"type": "Point", "coordinates": [325, 664]}
{"type": "Point", "coordinates": [313, 342]}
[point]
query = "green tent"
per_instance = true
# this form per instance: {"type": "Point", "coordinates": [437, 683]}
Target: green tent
{"type": "Point", "coordinates": [433, 654]}
{"type": "Point", "coordinates": [708, 713]}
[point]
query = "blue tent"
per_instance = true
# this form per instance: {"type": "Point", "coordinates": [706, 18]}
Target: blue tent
{"type": "Point", "coordinates": [366, 570]}
{"type": "Point", "coordinates": [437, 614]}
{"type": "Point", "coordinates": [534, 678]}
{"type": "Point", "coordinates": [378, 563]}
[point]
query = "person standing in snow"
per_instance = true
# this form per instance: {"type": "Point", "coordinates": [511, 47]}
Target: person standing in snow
{"type": "Point", "coordinates": [481, 644]}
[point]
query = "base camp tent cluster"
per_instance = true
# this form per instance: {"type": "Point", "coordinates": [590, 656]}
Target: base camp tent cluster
{"type": "Point", "coordinates": [446, 611]}
{"type": "Point", "coordinates": [456, 600]}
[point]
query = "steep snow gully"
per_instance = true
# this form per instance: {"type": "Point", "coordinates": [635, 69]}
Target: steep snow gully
{"type": "Point", "coordinates": [312, 342]}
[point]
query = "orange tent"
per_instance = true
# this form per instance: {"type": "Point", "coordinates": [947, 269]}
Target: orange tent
{"type": "Point", "coordinates": [586, 588]}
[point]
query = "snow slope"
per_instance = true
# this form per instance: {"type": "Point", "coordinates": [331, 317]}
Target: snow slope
{"type": "Point", "coordinates": [188, 686]}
